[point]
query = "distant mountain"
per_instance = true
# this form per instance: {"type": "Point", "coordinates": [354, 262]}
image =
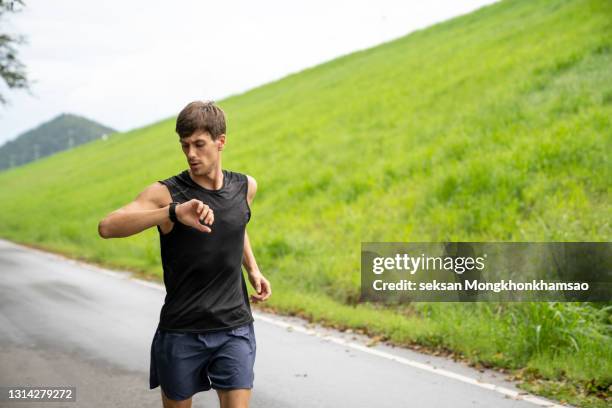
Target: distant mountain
{"type": "Point", "coordinates": [61, 133]}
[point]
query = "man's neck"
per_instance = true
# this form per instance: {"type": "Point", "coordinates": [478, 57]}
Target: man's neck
{"type": "Point", "coordinates": [210, 181]}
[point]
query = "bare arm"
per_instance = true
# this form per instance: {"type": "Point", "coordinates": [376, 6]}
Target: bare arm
{"type": "Point", "coordinates": [148, 209]}
{"type": "Point", "coordinates": [258, 281]}
{"type": "Point", "coordinates": [151, 208]}
{"type": "Point", "coordinates": [248, 259]}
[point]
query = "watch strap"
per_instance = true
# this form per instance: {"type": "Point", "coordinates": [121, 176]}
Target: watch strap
{"type": "Point", "coordinates": [172, 211]}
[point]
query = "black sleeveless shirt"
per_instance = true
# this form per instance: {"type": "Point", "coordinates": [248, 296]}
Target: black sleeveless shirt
{"type": "Point", "coordinates": [205, 287]}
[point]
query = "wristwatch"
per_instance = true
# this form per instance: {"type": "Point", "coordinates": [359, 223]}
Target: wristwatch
{"type": "Point", "coordinates": [172, 211]}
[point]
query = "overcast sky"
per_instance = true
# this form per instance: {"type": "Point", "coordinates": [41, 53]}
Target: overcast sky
{"type": "Point", "coordinates": [128, 64]}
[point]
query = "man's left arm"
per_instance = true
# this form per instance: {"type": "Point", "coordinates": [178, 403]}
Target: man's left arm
{"type": "Point", "coordinates": [258, 281]}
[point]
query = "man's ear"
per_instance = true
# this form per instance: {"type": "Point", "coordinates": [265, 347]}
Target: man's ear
{"type": "Point", "coordinates": [221, 141]}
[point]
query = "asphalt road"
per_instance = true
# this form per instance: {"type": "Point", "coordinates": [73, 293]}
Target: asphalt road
{"type": "Point", "coordinates": [66, 323]}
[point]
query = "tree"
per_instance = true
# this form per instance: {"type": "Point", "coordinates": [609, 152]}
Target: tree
{"type": "Point", "coordinates": [12, 70]}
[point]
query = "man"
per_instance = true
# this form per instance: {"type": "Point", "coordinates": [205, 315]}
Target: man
{"type": "Point", "coordinates": [205, 338]}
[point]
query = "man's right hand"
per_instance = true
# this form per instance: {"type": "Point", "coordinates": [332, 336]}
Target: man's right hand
{"type": "Point", "coordinates": [195, 214]}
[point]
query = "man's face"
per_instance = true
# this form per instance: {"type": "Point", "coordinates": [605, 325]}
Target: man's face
{"type": "Point", "coordinates": [202, 152]}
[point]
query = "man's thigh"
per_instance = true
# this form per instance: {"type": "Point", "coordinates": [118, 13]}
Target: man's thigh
{"type": "Point", "coordinates": [231, 366]}
{"type": "Point", "coordinates": [236, 398]}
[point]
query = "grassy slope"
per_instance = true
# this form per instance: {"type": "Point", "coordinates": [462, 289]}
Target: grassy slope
{"type": "Point", "coordinates": [491, 126]}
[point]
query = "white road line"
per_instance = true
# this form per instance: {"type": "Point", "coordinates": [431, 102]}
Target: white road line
{"type": "Point", "coordinates": [149, 284]}
{"type": "Point", "coordinates": [427, 367]}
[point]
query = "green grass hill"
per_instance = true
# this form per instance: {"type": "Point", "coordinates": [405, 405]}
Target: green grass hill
{"type": "Point", "coordinates": [492, 126]}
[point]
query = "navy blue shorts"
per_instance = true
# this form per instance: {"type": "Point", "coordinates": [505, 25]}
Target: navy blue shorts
{"type": "Point", "coordinates": [187, 363]}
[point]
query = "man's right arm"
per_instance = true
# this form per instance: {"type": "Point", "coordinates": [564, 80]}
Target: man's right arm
{"type": "Point", "coordinates": [149, 208]}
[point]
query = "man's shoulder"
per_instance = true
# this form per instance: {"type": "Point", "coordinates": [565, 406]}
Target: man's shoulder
{"type": "Point", "coordinates": [165, 188]}
{"type": "Point", "coordinates": [157, 193]}
{"type": "Point", "coordinates": [172, 180]}
{"type": "Point", "coordinates": [237, 176]}
{"type": "Point", "coordinates": [251, 184]}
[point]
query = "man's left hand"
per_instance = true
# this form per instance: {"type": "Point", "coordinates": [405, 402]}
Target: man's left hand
{"type": "Point", "coordinates": [262, 287]}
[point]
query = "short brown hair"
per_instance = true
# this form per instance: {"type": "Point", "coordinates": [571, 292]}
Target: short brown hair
{"type": "Point", "coordinates": [203, 116]}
